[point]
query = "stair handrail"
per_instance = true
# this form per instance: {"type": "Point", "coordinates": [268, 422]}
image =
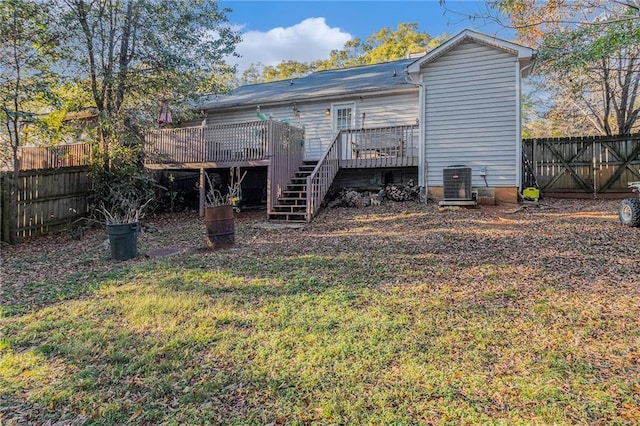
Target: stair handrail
{"type": "Point", "coordinates": [321, 178]}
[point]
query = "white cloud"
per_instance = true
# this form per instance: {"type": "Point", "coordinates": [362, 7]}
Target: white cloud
{"type": "Point", "coordinates": [306, 41]}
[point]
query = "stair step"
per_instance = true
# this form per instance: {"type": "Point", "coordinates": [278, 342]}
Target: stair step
{"type": "Point", "coordinates": [289, 209]}
{"type": "Point", "coordinates": [292, 199]}
{"type": "Point", "coordinates": [291, 206]}
{"type": "Point", "coordinates": [296, 192]}
{"type": "Point", "coordinates": [288, 217]}
{"type": "Point", "coordinates": [302, 202]}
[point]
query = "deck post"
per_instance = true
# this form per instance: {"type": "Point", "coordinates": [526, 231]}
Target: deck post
{"type": "Point", "coordinates": [202, 192]}
{"type": "Point", "coordinates": [272, 192]}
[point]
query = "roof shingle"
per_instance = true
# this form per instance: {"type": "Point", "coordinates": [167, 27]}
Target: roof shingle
{"type": "Point", "coordinates": [367, 78]}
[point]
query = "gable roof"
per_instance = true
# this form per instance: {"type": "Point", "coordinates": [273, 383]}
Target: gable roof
{"type": "Point", "coordinates": [385, 77]}
{"type": "Point", "coordinates": [524, 54]}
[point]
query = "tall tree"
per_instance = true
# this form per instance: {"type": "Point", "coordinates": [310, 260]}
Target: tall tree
{"type": "Point", "coordinates": [390, 45]}
{"type": "Point", "coordinates": [136, 53]}
{"type": "Point", "coordinates": [589, 57]}
{"type": "Point", "coordinates": [534, 19]}
{"type": "Point", "coordinates": [26, 49]}
{"type": "Point", "coordinates": [384, 45]}
{"type": "Point", "coordinates": [265, 73]}
{"type": "Point", "coordinates": [594, 71]}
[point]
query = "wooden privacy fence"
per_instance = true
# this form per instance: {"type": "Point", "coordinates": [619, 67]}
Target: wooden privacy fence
{"type": "Point", "coordinates": [46, 200]}
{"type": "Point", "coordinates": [44, 157]}
{"type": "Point", "coordinates": [588, 165]}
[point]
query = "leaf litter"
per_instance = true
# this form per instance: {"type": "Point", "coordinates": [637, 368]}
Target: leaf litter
{"type": "Point", "coordinates": [559, 283]}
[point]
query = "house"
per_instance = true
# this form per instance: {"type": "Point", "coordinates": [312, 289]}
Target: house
{"type": "Point", "coordinates": [324, 102]}
{"type": "Point", "coordinates": [367, 125]}
{"type": "Point", "coordinates": [470, 97]}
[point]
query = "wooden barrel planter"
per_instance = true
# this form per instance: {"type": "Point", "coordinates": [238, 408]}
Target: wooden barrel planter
{"type": "Point", "coordinates": [219, 221]}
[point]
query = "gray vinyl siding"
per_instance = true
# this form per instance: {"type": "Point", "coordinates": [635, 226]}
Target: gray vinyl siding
{"type": "Point", "coordinates": [380, 111]}
{"type": "Point", "coordinates": [471, 113]}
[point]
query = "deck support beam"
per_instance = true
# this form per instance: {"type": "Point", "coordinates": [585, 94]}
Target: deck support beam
{"type": "Point", "coordinates": [202, 192]}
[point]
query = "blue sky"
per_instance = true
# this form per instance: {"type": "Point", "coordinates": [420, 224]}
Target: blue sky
{"type": "Point", "coordinates": [301, 30]}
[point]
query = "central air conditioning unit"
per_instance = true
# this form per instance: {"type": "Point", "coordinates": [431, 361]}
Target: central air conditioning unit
{"type": "Point", "coordinates": [456, 185]}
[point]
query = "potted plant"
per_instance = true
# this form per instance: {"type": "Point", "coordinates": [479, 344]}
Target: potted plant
{"type": "Point", "coordinates": [219, 208]}
{"type": "Point", "coordinates": [122, 216]}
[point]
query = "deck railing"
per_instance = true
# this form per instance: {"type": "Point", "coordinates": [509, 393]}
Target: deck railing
{"type": "Point", "coordinates": [287, 148]}
{"type": "Point", "coordinates": [220, 143]}
{"type": "Point", "coordinates": [393, 146]}
{"type": "Point", "coordinates": [319, 181]}
{"type": "Point", "coordinates": [376, 147]}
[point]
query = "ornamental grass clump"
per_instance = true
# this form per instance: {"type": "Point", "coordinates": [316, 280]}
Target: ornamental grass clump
{"type": "Point", "coordinates": [123, 209]}
{"type": "Point", "coordinates": [215, 198]}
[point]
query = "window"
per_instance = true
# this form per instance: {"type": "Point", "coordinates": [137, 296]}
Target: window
{"type": "Point", "coordinates": [343, 116]}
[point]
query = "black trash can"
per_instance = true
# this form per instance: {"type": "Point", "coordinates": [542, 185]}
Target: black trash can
{"type": "Point", "coordinates": [123, 239]}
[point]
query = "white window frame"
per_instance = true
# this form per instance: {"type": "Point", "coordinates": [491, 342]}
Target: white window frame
{"type": "Point", "coordinates": [334, 115]}
{"type": "Point", "coordinates": [346, 151]}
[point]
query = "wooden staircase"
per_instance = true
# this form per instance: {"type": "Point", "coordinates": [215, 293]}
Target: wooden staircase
{"type": "Point", "coordinates": [292, 203]}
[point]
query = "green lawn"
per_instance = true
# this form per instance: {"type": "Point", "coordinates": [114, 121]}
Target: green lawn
{"type": "Point", "coordinates": [397, 314]}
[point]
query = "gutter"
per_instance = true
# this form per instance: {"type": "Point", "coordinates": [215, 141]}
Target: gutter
{"type": "Point", "coordinates": [527, 70]}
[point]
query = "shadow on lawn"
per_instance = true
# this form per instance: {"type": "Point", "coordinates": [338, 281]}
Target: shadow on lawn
{"type": "Point", "coordinates": [109, 363]}
{"type": "Point", "coordinates": [251, 332]}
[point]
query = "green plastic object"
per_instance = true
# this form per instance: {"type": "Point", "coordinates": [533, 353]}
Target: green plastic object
{"type": "Point", "coordinates": [123, 239]}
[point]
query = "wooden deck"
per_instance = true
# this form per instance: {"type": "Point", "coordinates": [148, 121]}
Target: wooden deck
{"type": "Point", "coordinates": [253, 144]}
{"type": "Point", "coordinates": [380, 147]}
{"type": "Point", "coordinates": [269, 143]}
{"type": "Point", "coordinates": [281, 148]}
{"type": "Point", "coordinates": [231, 145]}
{"type": "Point", "coordinates": [395, 146]}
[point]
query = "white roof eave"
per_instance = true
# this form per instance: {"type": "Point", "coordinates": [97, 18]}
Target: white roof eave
{"type": "Point", "coordinates": [525, 54]}
{"type": "Point", "coordinates": [211, 106]}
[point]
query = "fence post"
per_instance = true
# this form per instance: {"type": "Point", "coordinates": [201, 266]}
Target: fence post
{"type": "Point", "coordinates": [594, 167]}
{"type": "Point", "coordinates": [3, 207]}
{"type": "Point", "coordinates": [534, 159]}
{"type": "Point", "coordinates": [271, 168]}
{"type": "Point", "coordinates": [7, 207]}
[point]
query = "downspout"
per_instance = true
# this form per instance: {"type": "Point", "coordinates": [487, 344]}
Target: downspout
{"type": "Point", "coordinates": [519, 73]}
{"type": "Point", "coordinates": [422, 162]}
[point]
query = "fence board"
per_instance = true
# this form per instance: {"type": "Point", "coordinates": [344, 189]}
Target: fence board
{"type": "Point", "coordinates": [47, 200]}
{"type": "Point", "coordinates": [593, 165]}
{"type": "Point", "coordinates": [43, 157]}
